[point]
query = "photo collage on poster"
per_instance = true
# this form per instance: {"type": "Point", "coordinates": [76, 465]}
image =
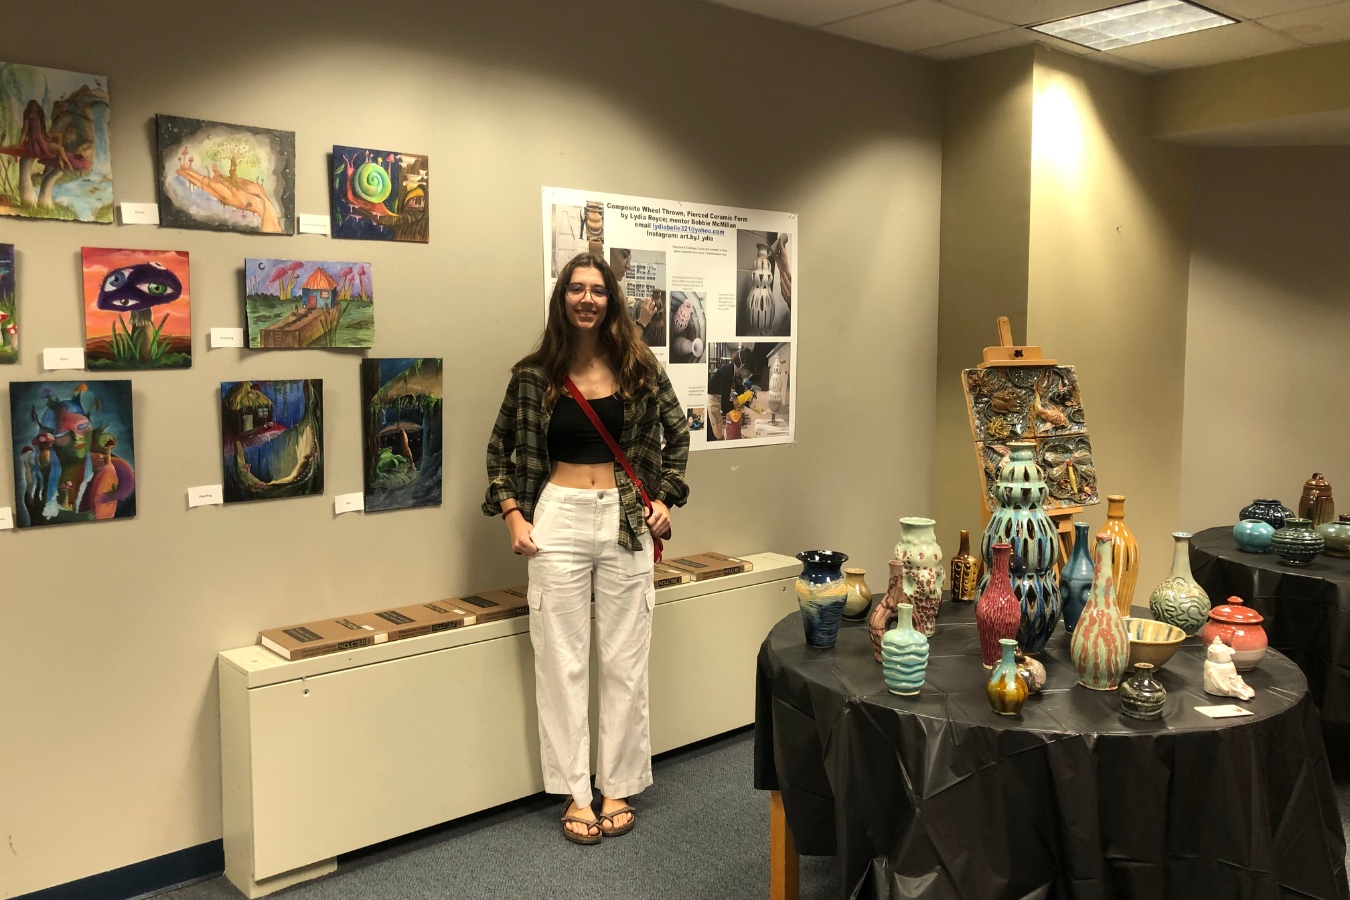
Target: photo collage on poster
{"type": "Point", "coordinates": [711, 289]}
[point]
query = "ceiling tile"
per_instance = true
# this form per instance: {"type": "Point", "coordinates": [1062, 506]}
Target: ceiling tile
{"type": "Point", "coordinates": [1203, 48]}
{"type": "Point", "coordinates": [985, 43]}
{"type": "Point", "coordinates": [916, 25]}
{"type": "Point", "coordinates": [1255, 9]}
{"type": "Point", "coordinates": [807, 12]}
{"type": "Point", "coordinates": [1034, 12]}
{"type": "Point", "coordinates": [1321, 25]}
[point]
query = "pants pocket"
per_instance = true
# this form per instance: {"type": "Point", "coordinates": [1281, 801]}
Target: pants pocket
{"type": "Point", "coordinates": [535, 597]}
{"type": "Point", "coordinates": [638, 563]}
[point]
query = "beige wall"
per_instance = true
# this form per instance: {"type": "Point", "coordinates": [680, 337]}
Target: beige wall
{"type": "Point", "coordinates": [1269, 327]}
{"type": "Point", "coordinates": [110, 713]}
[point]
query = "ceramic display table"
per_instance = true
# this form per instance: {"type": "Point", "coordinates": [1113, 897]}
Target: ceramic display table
{"type": "Point", "coordinates": [1306, 608]}
{"type": "Point", "coordinates": [936, 796]}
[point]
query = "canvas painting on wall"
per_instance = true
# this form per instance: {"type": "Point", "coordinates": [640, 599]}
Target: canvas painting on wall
{"type": "Point", "coordinates": [137, 309]}
{"type": "Point", "coordinates": [272, 435]}
{"type": "Point", "coordinates": [225, 177]}
{"type": "Point", "coordinates": [292, 304]}
{"type": "Point", "coordinates": [401, 425]}
{"type": "Point", "coordinates": [74, 451]}
{"type": "Point", "coordinates": [380, 195]}
{"type": "Point", "coordinates": [9, 307]}
{"type": "Point", "coordinates": [54, 157]}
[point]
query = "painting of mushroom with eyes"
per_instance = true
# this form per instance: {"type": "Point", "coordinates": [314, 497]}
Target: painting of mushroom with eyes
{"type": "Point", "coordinates": [380, 195]}
{"type": "Point", "coordinates": [137, 309]}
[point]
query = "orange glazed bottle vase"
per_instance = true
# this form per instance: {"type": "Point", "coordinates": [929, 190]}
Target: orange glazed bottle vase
{"type": "Point", "coordinates": [1124, 551]}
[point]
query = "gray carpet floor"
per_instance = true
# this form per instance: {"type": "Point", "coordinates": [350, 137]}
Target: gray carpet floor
{"type": "Point", "coordinates": [702, 835]}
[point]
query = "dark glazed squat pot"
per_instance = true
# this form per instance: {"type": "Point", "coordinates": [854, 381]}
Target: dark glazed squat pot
{"type": "Point", "coordinates": [1272, 512]}
{"type": "Point", "coordinates": [1297, 543]}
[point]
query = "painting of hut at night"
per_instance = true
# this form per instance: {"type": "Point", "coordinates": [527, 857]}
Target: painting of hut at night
{"type": "Point", "coordinates": [9, 312]}
{"type": "Point", "coordinates": [74, 451]}
{"type": "Point", "coordinates": [380, 195]}
{"type": "Point", "coordinates": [273, 439]}
{"type": "Point", "coordinates": [292, 304]}
{"type": "Point", "coordinates": [54, 157]}
{"type": "Point", "coordinates": [137, 309]}
{"type": "Point", "coordinates": [401, 401]}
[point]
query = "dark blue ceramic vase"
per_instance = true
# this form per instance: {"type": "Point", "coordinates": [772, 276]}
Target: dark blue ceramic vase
{"type": "Point", "coordinates": [1075, 579]}
{"type": "Point", "coordinates": [821, 594]}
{"type": "Point", "coordinates": [1271, 511]}
{"type": "Point", "coordinates": [1038, 596]}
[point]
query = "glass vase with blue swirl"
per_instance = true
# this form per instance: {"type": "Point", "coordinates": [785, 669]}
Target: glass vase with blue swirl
{"type": "Point", "coordinates": [821, 595]}
{"type": "Point", "coordinates": [1020, 520]}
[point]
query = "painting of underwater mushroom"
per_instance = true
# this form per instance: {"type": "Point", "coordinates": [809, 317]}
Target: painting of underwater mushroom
{"type": "Point", "coordinates": [380, 195]}
{"type": "Point", "coordinates": [272, 435]}
{"type": "Point", "coordinates": [225, 177]}
{"type": "Point", "coordinates": [293, 304]}
{"type": "Point", "coordinates": [137, 309]}
{"type": "Point", "coordinates": [74, 451]}
{"type": "Point", "coordinates": [401, 403]}
{"type": "Point", "coordinates": [54, 158]}
{"type": "Point", "coordinates": [9, 312]}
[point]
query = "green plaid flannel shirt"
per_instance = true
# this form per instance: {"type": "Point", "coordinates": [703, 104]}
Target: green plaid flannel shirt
{"type": "Point", "coordinates": [655, 439]}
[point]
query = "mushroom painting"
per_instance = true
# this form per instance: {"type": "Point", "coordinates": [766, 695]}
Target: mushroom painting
{"type": "Point", "coordinates": [401, 424]}
{"type": "Point", "coordinates": [379, 195]}
{"type": "Point", "coordinates": [273, 439]}
{"type": "Point", "coordinates": [137, 309]}
{"type": "Point", "coordinates": [299, 304]}
{"type": "Point", "coordinates": [54, 158]}
{"type": "Point", "coordinates": [9, 322]}
{"type": "Point", "coordinates": [74, 451]}
{"type": "Point", "coordinates": [224, 177]}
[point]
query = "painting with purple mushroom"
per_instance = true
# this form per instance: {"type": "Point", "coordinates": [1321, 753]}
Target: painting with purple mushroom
{"type": "Point", "coordinates": [137, 309]}
{"type": "Point", "coordinates": [273, 439]}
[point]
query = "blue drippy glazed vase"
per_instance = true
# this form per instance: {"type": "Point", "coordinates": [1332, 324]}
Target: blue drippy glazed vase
{"type": "Point", "coordinates": [1075, 579]}
{"type": "Point", "coordinates": [821, 595]}
{"type": "Point", "coordinates": [1253, 535]}
{"type": "Point", "coordinates": [904, 655]}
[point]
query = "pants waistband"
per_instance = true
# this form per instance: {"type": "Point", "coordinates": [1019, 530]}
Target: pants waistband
{"type": "Point", "coordinates": [579, 496]}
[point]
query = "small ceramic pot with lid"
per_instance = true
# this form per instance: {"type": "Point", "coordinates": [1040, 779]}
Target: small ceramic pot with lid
{"type": "Point", "coordinates": [1238, 626]}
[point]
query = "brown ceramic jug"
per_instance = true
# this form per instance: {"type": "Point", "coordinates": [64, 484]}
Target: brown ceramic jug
{"type": "Point", "coordinates": [1315, 503]}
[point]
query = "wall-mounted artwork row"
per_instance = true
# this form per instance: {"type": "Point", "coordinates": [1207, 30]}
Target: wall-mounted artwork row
{"type": "Point", "coordinates": [137, 309]}
{"type": "Point", "coordinates": [54, 156]}
{"type": "Point", "coordinates": [292, 304]}
{"type": "Point", "coordinates": [401, 404]}
{"type": "Point", "coordinates": [74, 451]}
{"type": "Point", "coordinates": [224, 177]}
{"type": "Point", "coordinates": [9, 307]}
{"type": "Point", "coordinates": [273, 439]}
{"type": "Point", "coordinates": [380, 195]}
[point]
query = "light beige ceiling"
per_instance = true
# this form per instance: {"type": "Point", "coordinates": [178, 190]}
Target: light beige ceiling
{"type": "Point", "coordinates": [951, 29]}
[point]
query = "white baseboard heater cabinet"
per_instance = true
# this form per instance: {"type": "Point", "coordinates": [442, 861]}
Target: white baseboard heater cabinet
{"type": "Point", "coordinates": [324, 756]}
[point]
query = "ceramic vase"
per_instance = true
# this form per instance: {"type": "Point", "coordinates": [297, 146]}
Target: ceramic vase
{"type": "Point", "coordinates": [1238, 626]}
{"type": "Point", "coordinates": [1315, 502]}
{"type": "Point", "coordinates": [1124, 552]}
{"type": "Point", "coordinates": [1253, 535]}
{"type": "Point", "coordinates": [1180, 600]}
{"type": "Point", "coordinates": [773, 398]}
{"type": "Point", "coordinates": [1075, 577]}
{"type": "Point", "coordinates": [1100, 648]}
{"type": "Point", "coordinates": [965, 573]}
{"type": "Point", "coordinates": [904, 655]}
{"type": "Point", "coordinates": [1038, 601]}
{"type": "Point", "coordinates": [918, 550]}
{"type": "Point", "coordinates": [1296, 543]}
{"type": "Point", "coordinates": [821, 595]}
{"type": "Point", "coordinates": [997, 612]}
{"type": "Point", "coordinates": [1272, 512]}
{"type": "Point", "coordinates": [886, 612]}
{"type": "Point", "coordinates": [759, 302]}
{"type": "Point", "coordinates": [1142, 695]}
{"type": "Point", "coordinates": [1005, 689]}
{"type": "Point", "coordinates": [1336, 536]}
{"type": "Point", "coordinates": [859, 601]}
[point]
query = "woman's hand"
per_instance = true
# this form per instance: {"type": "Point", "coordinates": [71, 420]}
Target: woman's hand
{"type": "Point", "coordinates": [646, 311]}
{"type": "Point", "coordinates": [659, 520]}
{"type": "Point", "coordinates": [521, 541]}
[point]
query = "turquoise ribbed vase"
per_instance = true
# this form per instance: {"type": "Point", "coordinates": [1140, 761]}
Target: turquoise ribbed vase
{"type": "Point", "coordinates": [904, 655]}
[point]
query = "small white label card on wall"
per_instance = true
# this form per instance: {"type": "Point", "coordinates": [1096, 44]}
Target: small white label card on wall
{"type": "Point", "coordinates": [227, 337]}
{"type": "Point", "coordinates": [62, 358]}
{"type": "Point", "coordinates": [308, 224]}
{"type": "Point", "coordinates": [140, 213]}
{"type": "Point", "coordinates": [345, 503]}
{"type": "Point", "coordinates": [6, 518]}
{"type": "Point", "coordinates": [206, 495]}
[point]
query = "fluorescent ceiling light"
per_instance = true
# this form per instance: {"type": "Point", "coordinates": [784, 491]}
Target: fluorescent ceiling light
{"type": "Point", "coordinates": [1134, 23]}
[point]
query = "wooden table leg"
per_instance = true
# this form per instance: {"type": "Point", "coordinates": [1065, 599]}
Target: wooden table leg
{"type": "Point", "coordinates": [783, 863]}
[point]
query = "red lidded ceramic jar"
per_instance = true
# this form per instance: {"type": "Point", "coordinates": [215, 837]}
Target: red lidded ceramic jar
{"type": "Point", "coordinates": [1238, 626]}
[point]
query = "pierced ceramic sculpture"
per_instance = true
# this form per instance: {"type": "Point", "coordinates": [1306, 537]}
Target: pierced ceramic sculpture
{"type": "Point", "coordinates": [921, 556]}
{"type": "Point", "coordinates": [759, 303]}
{"type": "Point", "coordinates": [773, 397]}
{"type": "Point", "coordinates": [904, 655]}
{"type": "Point", "coordinates": [886, 612]}
{"type": "Point", "coordinates": [859, 601]}
{"type": "Point", "coordinates": [1180, 600]}
{"type": "Point", "coordinates": [1221, 676]}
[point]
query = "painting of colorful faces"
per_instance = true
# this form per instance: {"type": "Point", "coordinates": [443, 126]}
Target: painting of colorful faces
{"type": "Point", "coordinates": [137, 309]}
{"type": "Point", "coordinates": [74, 451]}
{"type": "Point", "coordinates": [273, 439]}
{"type": "Point", "coordinates": [380, 195]}
{"type": "Point", "coordinates": [54, 159]}
{"type": "Point", "coordinates": [9, 315]}
{"type": "Point", "coordinates": [401, 405]}
{"type": "Point", "coordinates": [225, 177]}
{"type": "Point", "coordinates": [292, 304]}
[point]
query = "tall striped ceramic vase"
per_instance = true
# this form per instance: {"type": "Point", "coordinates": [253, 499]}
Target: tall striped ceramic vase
{"type": "Point", "coordinates": [997, 612]}
{"type": "Point", "coordinates": [1100, 648]}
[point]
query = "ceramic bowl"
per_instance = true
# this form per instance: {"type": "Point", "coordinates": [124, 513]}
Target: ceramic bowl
{"type": "Point", "coordinates": [1152, 642]}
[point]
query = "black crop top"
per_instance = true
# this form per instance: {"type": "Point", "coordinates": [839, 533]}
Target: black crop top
{"type": "Point", "coordinates": [573, 439]}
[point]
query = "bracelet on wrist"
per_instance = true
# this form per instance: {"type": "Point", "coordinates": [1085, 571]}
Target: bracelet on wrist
{"type": "Point", "coordinates": [514, 509]}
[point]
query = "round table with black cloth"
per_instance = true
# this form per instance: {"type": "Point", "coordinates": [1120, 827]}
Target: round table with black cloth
{"type": "Point", "coordinates": [1306, 610]}
{"type": "Point", "coordinates": [936, 796]}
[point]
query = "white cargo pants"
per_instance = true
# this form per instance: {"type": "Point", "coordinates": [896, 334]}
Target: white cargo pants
{"type": "Point", "coordinates": [577, 533]}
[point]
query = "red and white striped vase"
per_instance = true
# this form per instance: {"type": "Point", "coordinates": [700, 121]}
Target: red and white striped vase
{"type": "Point", "coordinates": [997, 612]}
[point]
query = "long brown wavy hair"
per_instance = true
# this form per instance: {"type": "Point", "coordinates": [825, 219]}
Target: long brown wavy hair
{"type": "Point", "coordinates": [620, 337]}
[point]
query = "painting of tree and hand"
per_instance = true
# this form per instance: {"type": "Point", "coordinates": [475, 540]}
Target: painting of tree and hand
{"type": "Point", "coordinates": [380, 195]}
{"type": "Point", "coordinates": [273, 439]}
{"type": "Point", "coordinates": [401, 402]}
{"type": "Point", "coordinates": [74, 456]}
{"type": "Point", "coordinates": [225, 177]}
{"type": "Point", "coordinates": [137, 309]}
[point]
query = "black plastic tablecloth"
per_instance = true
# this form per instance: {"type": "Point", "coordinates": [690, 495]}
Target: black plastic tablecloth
{"type": "Point", "coordinates": [936, 796]}
{"type": "Point", "coordinates": [1306, 608]}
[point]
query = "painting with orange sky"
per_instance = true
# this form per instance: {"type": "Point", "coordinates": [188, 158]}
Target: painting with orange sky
{"type": "Point", "coordinates": [137, 309]}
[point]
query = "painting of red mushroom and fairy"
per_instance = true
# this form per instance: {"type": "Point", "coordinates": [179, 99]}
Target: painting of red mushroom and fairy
{"type": "Point", "coordinates": [223, 177]}
{"type": "Point", "coordinates": [54, 158]}
{"type": "Point", "coordinates": [137, 309]}
{"type": "Point", "coordinates": [380, 195]}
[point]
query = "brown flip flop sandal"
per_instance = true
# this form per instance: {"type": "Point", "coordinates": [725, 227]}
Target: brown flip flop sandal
{"type": "Point", "coordinates": [612, 831]}
{"type": "Point", "coordinates": [589, 823]}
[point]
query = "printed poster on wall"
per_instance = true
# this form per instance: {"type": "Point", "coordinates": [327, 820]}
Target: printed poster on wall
{"type": "Point", "coordinates": [712, 289]}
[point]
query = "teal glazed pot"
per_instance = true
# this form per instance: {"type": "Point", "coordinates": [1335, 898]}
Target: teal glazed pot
{"type": "Point", "coordinates": [1337, 536]}
{"type": "Point", "coordinates": [1075, 578]}
{"type": "Point", "coordinates": [1272, 512]}
{"type": "Point", "coordinates": [1297, 543]}
{"type": "Point", "coordinates": [904, 655]}
{"type": "Point", "coordinates": [1253, 535]}
{"type": "Point", "coordinates": [821, 595]}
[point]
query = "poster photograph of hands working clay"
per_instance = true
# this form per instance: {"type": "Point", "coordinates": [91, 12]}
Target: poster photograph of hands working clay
{"type": "Point", "coordinates": [711, 287]}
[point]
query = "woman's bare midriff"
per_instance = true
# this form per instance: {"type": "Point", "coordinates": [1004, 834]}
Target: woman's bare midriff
{"type": "Point", "coordinates": [591, 477]}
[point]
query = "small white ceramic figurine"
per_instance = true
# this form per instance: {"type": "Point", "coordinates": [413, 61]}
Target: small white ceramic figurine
{"type": "Point", "coordinates": [1221, 677]}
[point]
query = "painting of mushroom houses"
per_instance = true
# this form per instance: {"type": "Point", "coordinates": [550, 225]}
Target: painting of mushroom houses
{"type": "Point", "coordinates": [224, 177]}
{"type": "Point", "coordinates": [54, 157]}
{"type": "Point", "coordinates": [401, 400]}
{"type": "Point", "coordinates": [137, 309]}
{"type": "Point", "coordinates": [293, 304]}
{"type": "Point", "coordinates": [273, 439]}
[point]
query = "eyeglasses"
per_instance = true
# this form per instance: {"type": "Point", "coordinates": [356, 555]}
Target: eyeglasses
{"type": "Point", "coordinates": [599, 292]}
